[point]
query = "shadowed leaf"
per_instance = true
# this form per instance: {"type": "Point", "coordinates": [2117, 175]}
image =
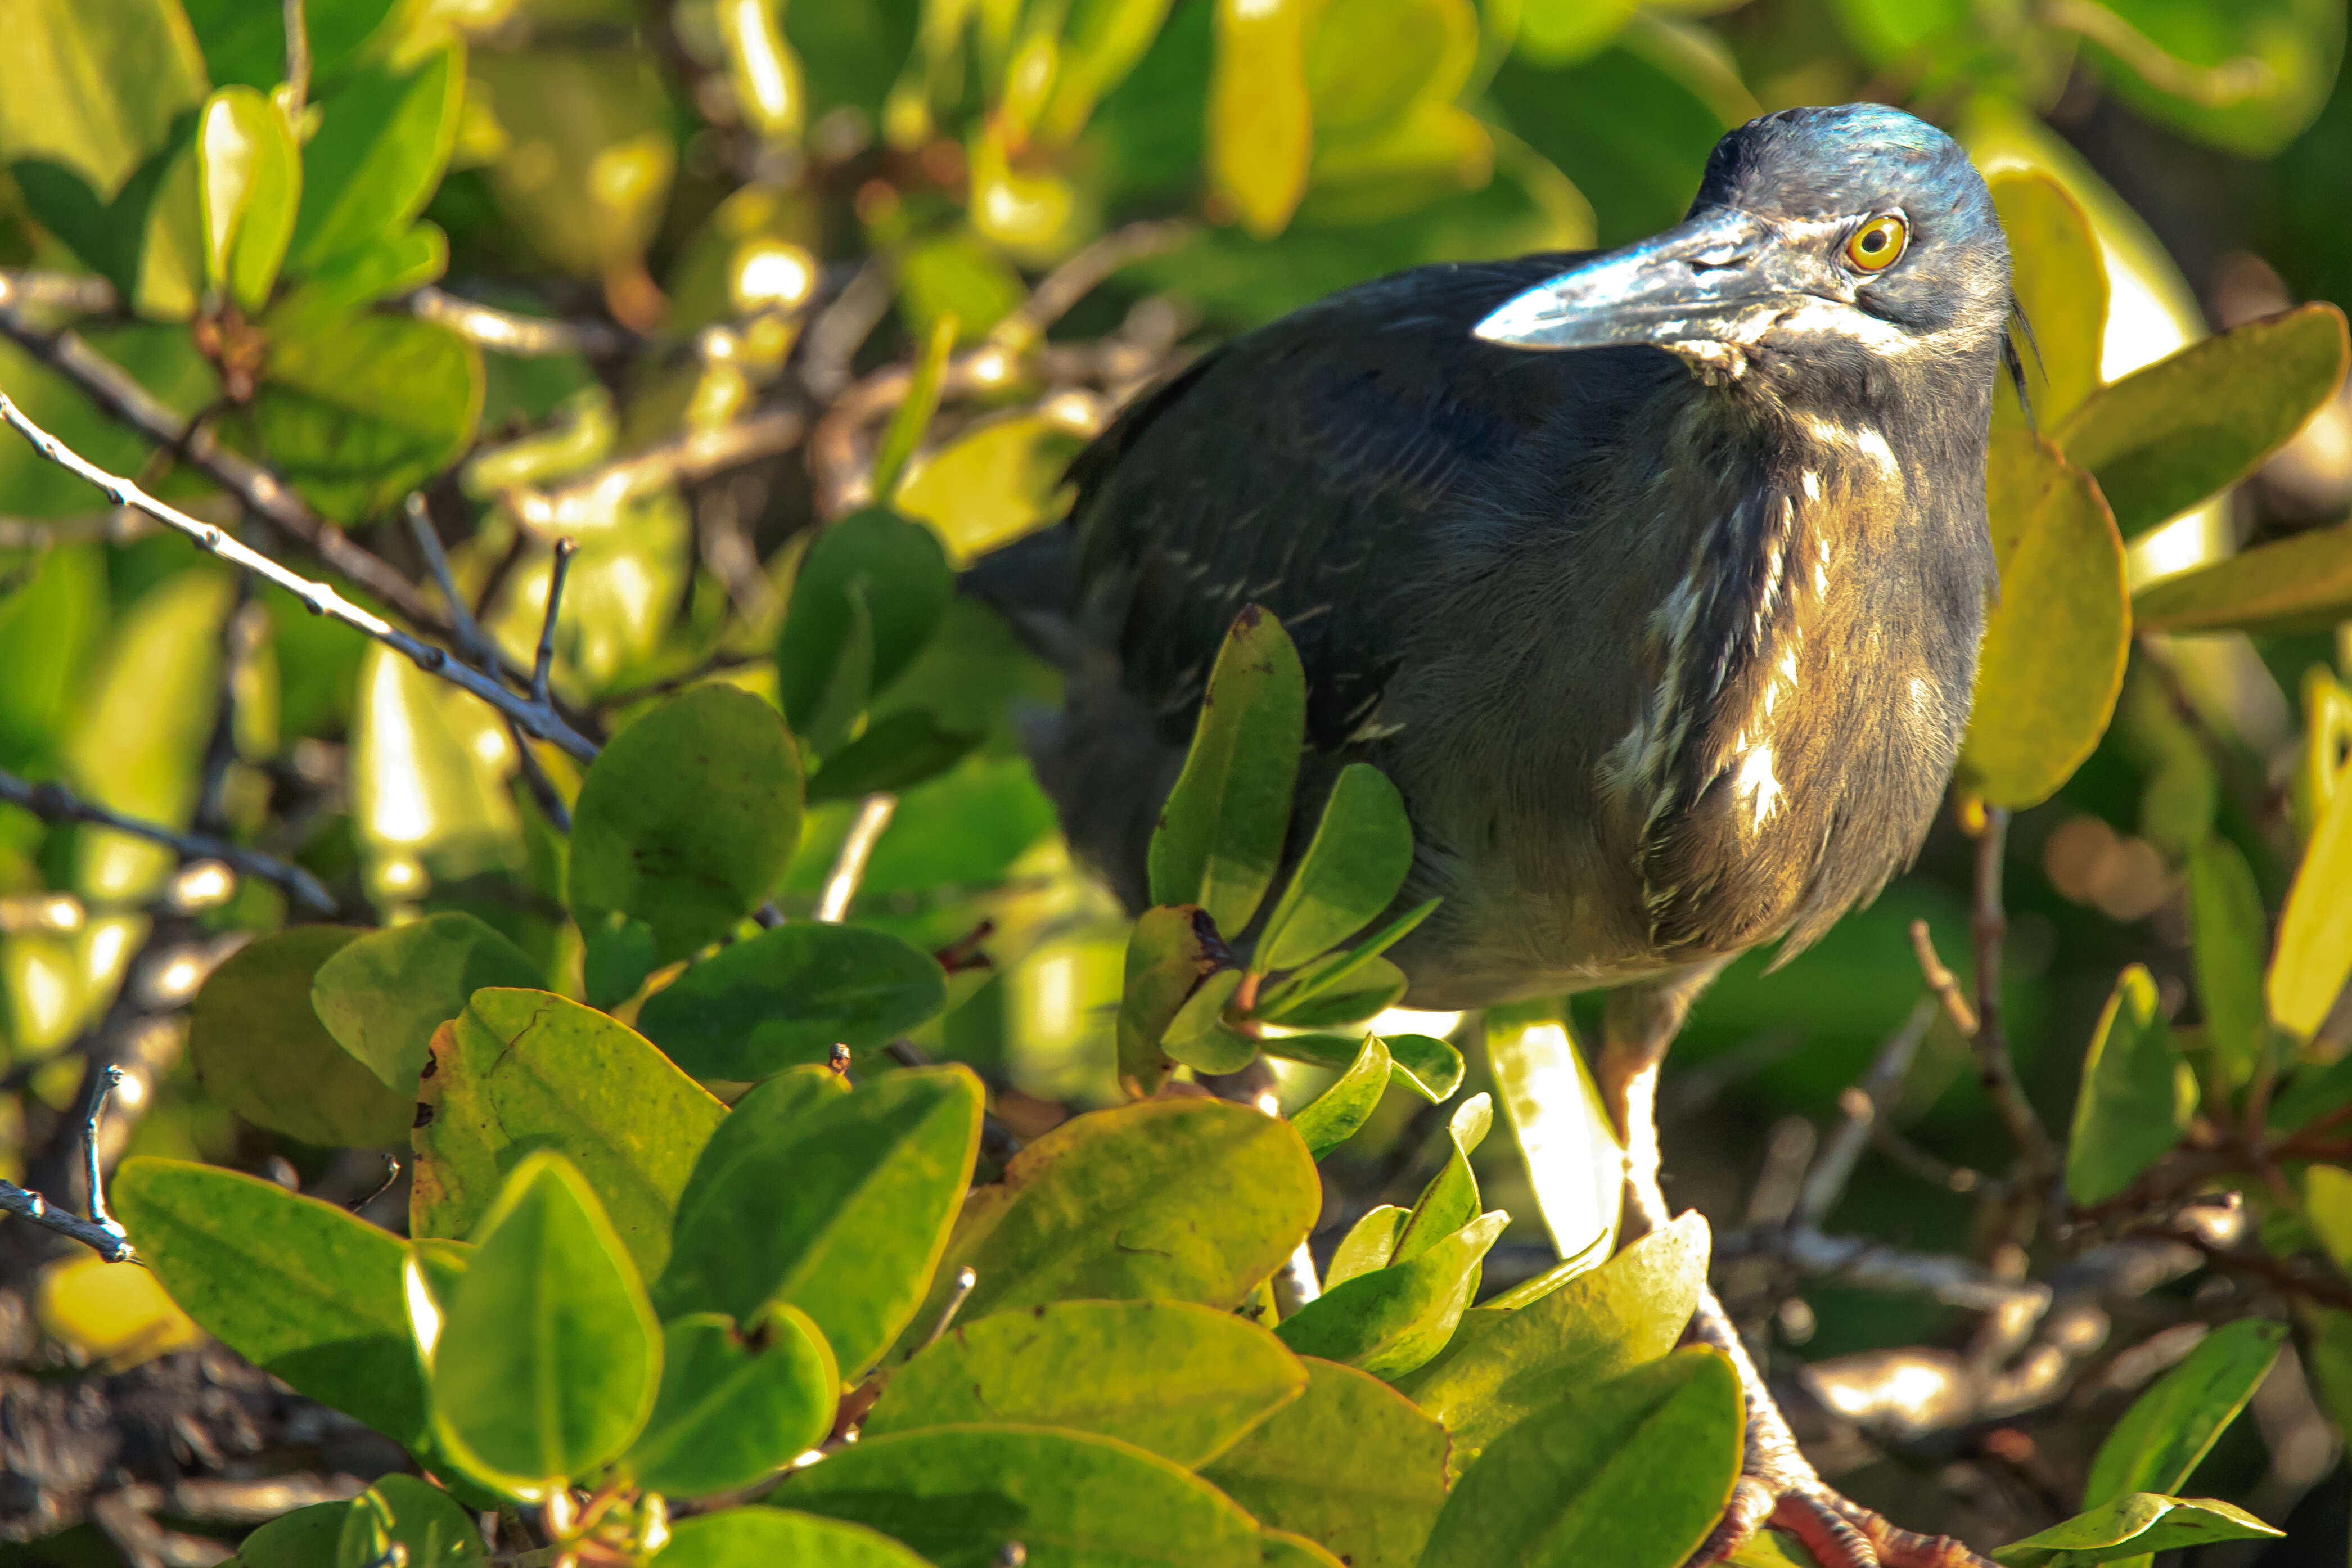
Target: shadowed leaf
{"type": "Point", "coordinates": [260, 1050]}
{"type": "Point", "coordinates": [2157, 1444]}
{"type": "Point", "coordinates": [2137, 1096]}
{"type": "Point", "coordinates": [734, 1404]}
{"type": "Point", "coordinates": [787, 996]}
{"type": "Point", "coordinates": [383, 995]}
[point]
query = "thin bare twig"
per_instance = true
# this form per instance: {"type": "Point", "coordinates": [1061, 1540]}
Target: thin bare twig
{"type": "Point", "coordinates": [298, 60]}
{"type": "Point", "coordinates": [849, 862]}
{"type": "Point", "coordinates": [511, 332]}
{"type": "Point", "coordinates": [1865, 1105]}
{"type": "Point", "coordinates": [1858, 1260]}
{"type": "Point", "coordinates": [1083, 273]}
{"type": "Point", "coordinates": [2037, 1153]}
{"type": "Point", "coordinates": [1942, 981]}
{"type": "Point", "coordinates": [52, 802]}
{"type": "Point", "coordinates": [100, 1233]}
{"type": "Point", "coordinates": [83, 295]}
{"type": "Point", "coordinates": [537, 717]}
{"type": "Point", "coordinates": [681, 460]}
{"type": "Point", "coordinates": [542, 665]}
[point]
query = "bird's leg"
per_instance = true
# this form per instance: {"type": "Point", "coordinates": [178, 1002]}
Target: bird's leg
{"type": "Point", "coordinates": [1777, 1484]}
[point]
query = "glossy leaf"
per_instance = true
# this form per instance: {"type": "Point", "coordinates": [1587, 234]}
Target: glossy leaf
{"type": "Point", "coordinates": [426, 1526]}
{"type": "Point", "coordinates": [384, 138]}
{"type": "Point", "coordinates": [742, 1537]}
{"type": "Point", "coordinates": [331, 1322]}
{"type": "Point", "coordinates": [2135, 1525]}
{"type": "Point", "coordinates": [250, 181]}
{"type": "Point", "coordinates": [2055, 647]}
{"type": "Point", "coordinates": [1395, 1319]}
{"type": "Point", "coordinates": [734, 1404]}
{"type": "Point", "coordinates": [838, 1204]}
{"type": "Point", "coordinates": [1505, 1364]}
{"type": "Point", "coordinates": [1574, 1159]}
{"type": "Point", "coordinates": [549, 1356]}
{"type": "Point", "coordinates": [2299, 583]}
{"type": "Point", "coordinates": [1334, 1116]}
{"type": "Point", "coordinates": [1261, 120]}
{"type": "Point", "coordinates": [260, 1051]}
{"type": "Point", "coordinates": [2137, 1098]}
{"type": "Point", "coordinates": [2228, 932]}
{"type": "Point", "coordinates": [1220, 836]}
{"type": "Point", "coordinates": [1182, 1381]}
{"type": "Point", "coordinates": [383, 996]}
{"type": "Point", "coordinates": [894, 569]}
{"type": "Point", "coordinates": [1450, 1200]}
{"type": "Point", "coordinates": [894, 754]}
{"type": "Point", "coordinates": [1350, 1464]}
{"type": "Point", "coordinates": [957, 1494]}
{"type": "Point", "coordinates": [358, 408]}
{"type": "Point", "coordinates": [1170, 953]}
{"type": "Point", "coordinates": [1556, 32]}
{"type": "Point", "coordinates": [1633, 1472]}
{"type": "Point", "coordinates": [1186, 1200]}
{"type": "Point", "coordinates": [1198, 1035]}
{"type": "Point", "coordinates": [2313, 957]}
{"type": "Point", "coordinates": [1369, 1243]}
{"type": "Point", "coordinates": [788, 996]}
{"type": "Point", "coordinates": [687, 819]}
{"type": "Point", "coordinates": [1334, 970]}
{"type": "Point", "coordinates": [2157, 1443]}
{"type": "Point", "coordinates": [2164, 438]}
{"type": "Point", "coordinates": [2061, 283]}
{"type": "Point", "coordinates": [519, 1070]}
{"type": "Point", "coordinates": [1370, 989]}
{"type": "Point", "coordinates": [1353, 868]}
{"type": "Point", "coordinates": [1430, 1067]}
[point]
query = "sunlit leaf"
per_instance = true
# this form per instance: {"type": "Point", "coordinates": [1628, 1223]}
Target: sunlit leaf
{"type": "Point", "coordinates": [2313, 957]}
{"type": "Point", "coordinates": [2054, 645]}
{"type": "Point", "coordinates": [1395, 1319]}
{"type": "Point", "coordinates": [1180, 1381]}
{"type": "Point", "coordinates": [1171, 955]}
{"type": "Point", "coordinates": [115, 1314]}
{"type": "Point", "coordinates": [1353, 867]}
{"type": "Point", "coordinates": [382, 140]}
{"type": "Point", "coordinates": [2164, 438]}
{"type": "Point", "coordinates": [734, 1404]}
{"type": "Point", "coordinates": [734, 1537]}
{"type": "Point", "coordinates": [1431, 1067]}
{"type": "Point", "coordinates": [2300, 583]}
{"type": "Point", "coordinates": [383, 996]}
{"type": "Point", "coordinates": [1450, 1200]}
{"type": "Point", "coordinates": [2135, 1526]}
{"type": "Point", "coordinates": [1261, 120]}
{"type": "Point", "coordinates": [2137, 1096]}
{"type": "Point", "coordinates": [1334, 1116]}
{"type": "Point", "coordinates": [2328, 1209]}
{"type": "Point", "coordinates": [1633, 1472]}
{"type": "Point", "coordinates": [251, 174]}
{"type": "Point", "coordinates": [788, 996]}
{"type": "Point", "coordinates": [2061, 284]}
{"type": "Point", "coordinates": [1349, 1465]}
{"type": "Point", "coordinates": [1574, 1159]}
{"type": "Point", "coordinates": [2157, 1443]}
{"type": "Point", "coordinates": [406, 1515]}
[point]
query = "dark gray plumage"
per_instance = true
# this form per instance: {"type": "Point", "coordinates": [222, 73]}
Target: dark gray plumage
{"type": "Point", "coordinates": [1669, 642]}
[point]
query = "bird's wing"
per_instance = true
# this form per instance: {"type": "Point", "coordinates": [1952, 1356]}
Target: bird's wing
{"type": "Point", "coordinates": [1301, 468]}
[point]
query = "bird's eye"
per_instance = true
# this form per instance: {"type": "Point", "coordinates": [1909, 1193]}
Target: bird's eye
{"type": "Point", "coordinates": [1876, 244]}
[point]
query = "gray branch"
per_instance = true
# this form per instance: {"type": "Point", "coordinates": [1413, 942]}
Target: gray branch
{"type": "Point", "coordinates": [53, 802]}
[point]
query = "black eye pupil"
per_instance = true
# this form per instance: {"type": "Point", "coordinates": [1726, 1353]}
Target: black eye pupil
{"type": "Point", "coordinates": [1873, 241]}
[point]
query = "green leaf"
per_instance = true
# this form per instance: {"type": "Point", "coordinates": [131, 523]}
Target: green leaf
{"type": "Point", "coordinates": [521, 1070]}
{"type": "Point", "coordinates": [1185, 1200]}
{"type": "Point", "coordinates": [1353, 868]}
{"type": "Point", "coordinates": [1260, 119]}
{"type": "Point", "coordinates": [148, 240]}
{"type": "Point", "coordinates": [1633, 1472]}
{"type": "Point", "coordinates": [1450, 1201]}
{"type": "Point", "coordinates": [332, 1321]}
{"type": "Point", "coordinates": [1504, 1364]}
{"type": "Point", "coordinates": [1575, 1161]}
{"type": "Point", "coordinates": [1368, 1245]}
{"type": "Point", "coordinates": [549, 1357]}
{"type": "Point", "coordinates": [94, 85]}
{"type": "Point", "coordinates": [360, 409]}
{"type": "Point", "coordinates": [1182, 1381]}
{"type": "Point", "coordinates": [1556, 32]}
{"type": "Point", "coordinates": [1431, 1067]}
{"type": "Point", "coordinates": [839, 1205]}
{"type": "Point", "coordinates": [1198, 1035]}
{"type": "Point", "coordinates": [1335, 1115]}
{"type": "Point", "coordinates": [913, 419]}
{"type": "Point", "coordinates": [2300, 583]}
{"type": "Point", "coordinates": [2313, 957]}
{"type": "Point", "coordinates": [894, 754]}
{"type": "Point", "coordinates": [2054, 645]}
{"type": "Point", "coordinates": [2248, 75]}
{"type": "Point", "coordinates": [2165, 438]}
{"type": "Point", "coordinates": [1170, 953]}
{"type": "Point", "coordinates": [2229, 934]}
{"type": "Point", "coordinates": [897, 571]}
{"type": "Point", "coordinates": [260, 1051]}
{"type": "Point", "coordinates": [2328, 1209]}
{"type": "Point", "coordinates": [616, 959]}
{"type": "Point", "coordinates": [787, 996]}
{"type": "Point", "coordinates": [250, 181]}
{"type": "Point", "coordinates": [2157, 1444]}
{"type": "Point", "coordinates": [1370, 989]}
{"type": "Point", "coordinates": [2059, 279]}
{"type": "Point", "coordinates": [2135, 1525]}
{"type": "Point", "coordinates": [383, 996]}
{"type": "Point", "coordinates": [2137, 1098]}
{"type": "Point", "coordinates": [401, 264]}
{"type": "Point", "coordinates": [746, 1537]}
{"type": "Point", "coordinates": [687, 819]}
{"type": "Point", "coordinates": [428, 1525]}
{"type": "Point", "coordinates": [1333, 971]}
{"type": "Point", "coordinates": [1395, 1319]}
{"type": "Point", "coordinates": [306, 1538]}
{"type": "Point", "coordinates": [383, 141]}
{"type": "Point", "coordinates": [958, 1495]}
{"type": "Point", "coordinates": [1220, 836]}
{"type": "Point", "coordinates": [1352, 1465]}
{"type": "Point", "coordinates": [734, 1406]}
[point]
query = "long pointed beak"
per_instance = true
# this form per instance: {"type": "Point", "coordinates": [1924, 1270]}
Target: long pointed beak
{"type": "Point", "coordinates": [1691, 283]}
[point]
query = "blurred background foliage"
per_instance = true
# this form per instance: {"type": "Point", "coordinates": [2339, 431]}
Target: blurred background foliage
{"type": "Point", "coordinates": [697, 225]}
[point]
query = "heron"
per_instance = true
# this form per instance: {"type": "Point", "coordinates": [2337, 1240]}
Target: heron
{"type": "Point", "coordinates": [1654, 579]}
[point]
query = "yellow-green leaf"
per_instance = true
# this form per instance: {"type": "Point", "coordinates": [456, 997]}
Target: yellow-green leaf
{"type": "Point", "coordinates": [250, 180]}
{"type": "Point", "coordinates": [2136, 1096]}
{"type": "Point", "coordinates": [2061, 283]}
{"type": "Point", "coordinates": [2302, 584]}
{"type": "Point", "coordinates": [1261, 120]}
{"type": "Point", "coordinates": [2313, 957]}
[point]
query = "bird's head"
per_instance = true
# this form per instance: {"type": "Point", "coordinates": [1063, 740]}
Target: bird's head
{"type": "Point", "coordinates": [1829, 252]}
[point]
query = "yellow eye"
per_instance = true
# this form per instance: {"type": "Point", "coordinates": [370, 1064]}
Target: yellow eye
{"type": "Point", "coordinates": [1876, 244]}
